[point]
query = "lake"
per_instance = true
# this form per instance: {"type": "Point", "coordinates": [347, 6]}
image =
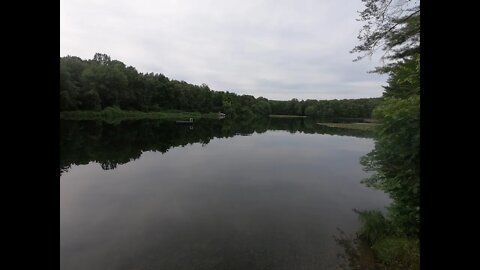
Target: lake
{"type": "Point", "coordinates": [218, 194]}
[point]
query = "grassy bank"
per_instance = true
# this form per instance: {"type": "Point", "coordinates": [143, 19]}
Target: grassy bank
{"type": "Point", "coordinates": [360, 126]}
{"type": "Point", "coordinates": [115, 113]}
{"type": "Point", "coordinates": [379, 244]}
{"type": "Point", "coordinates": [391, 248]}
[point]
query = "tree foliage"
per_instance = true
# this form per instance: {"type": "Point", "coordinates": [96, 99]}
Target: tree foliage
{"type": "Point", "coordinates": [101, 82]}
{"type": "Point", "coordinates": [396, 160]}
{"type": "Point", "coordinates": [394, 27]}
{"type": "Point", "coordinates": [390, 25]}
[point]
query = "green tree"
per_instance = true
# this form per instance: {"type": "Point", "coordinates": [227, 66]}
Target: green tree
{"type": "Point", "coordinates": [394, 27]}
{"type": "Point", "coordinates": [101, 59]}
{"type": "Point", "coordinates": [110, 83]}
{"type": "Point", "coordinates": [390, 25]}
{"type": "Point", "coordinates": [66, 101]}
{"type": "Point", "coordinates": [262, 107]}
{"type": "Point", "coordinates": [310, 110]}
{"type": "Point", "coordinates": [404, 80]}
{"type": "Point", "coordinates": [91, 101]}
{"type": "Point", "coordinates": [227, 106]}
{"type": "Point", "coordinates": [396, 160]}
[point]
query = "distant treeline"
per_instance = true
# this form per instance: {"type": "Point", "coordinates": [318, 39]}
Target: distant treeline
{"type": "Point", "coordinates": [99, 83]}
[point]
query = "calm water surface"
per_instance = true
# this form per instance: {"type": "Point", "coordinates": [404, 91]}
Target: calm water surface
{"type": "Point", "coordinates": [258, 194]}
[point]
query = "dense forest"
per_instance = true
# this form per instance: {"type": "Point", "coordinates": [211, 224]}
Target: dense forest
{"type": "Point", "coordinates": [99, 83]}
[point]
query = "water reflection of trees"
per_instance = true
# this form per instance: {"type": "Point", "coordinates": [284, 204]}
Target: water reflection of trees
{"type": "Point", "coordinates": [110, 144]}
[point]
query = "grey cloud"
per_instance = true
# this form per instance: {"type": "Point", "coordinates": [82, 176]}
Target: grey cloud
{"type": "Point", "coordinates": [275, 49]}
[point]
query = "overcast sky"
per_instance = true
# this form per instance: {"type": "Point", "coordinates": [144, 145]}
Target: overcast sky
{"type": "Point", "coordinates": [278, 49]}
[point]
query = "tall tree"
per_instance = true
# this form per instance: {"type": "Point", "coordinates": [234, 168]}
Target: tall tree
{"type": "Point", "coordinates": [394, 27]}
{"type": "Point", "coordinates": [390, 25]}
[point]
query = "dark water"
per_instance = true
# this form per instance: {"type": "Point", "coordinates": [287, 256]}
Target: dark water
{"type": "Point", "coordinates": [221, 194]}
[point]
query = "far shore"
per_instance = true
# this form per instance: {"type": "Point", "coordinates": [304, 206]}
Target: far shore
{"type": "Point", "coordinates": [113, 113]}
{"type": "Point", "coordinates": [286, 116]}
{"type": "Point", "coordinates": [360, 126]}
